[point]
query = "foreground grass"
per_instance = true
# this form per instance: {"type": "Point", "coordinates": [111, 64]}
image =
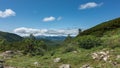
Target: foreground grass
{"type": "Point", "coordinates": [76, 60]}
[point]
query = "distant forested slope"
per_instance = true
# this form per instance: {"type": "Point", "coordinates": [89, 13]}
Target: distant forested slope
{"type": "Point", "coordinates": [10, 37]}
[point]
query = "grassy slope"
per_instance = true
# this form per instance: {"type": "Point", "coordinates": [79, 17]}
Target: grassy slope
{"type": "Point", "coordinates": [100, 29]}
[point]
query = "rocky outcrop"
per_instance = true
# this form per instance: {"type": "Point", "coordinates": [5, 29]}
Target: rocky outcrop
{"type": "Point", "coordinates": [100, 55]}
{"type": "Point", "coordinates": [9, 54]}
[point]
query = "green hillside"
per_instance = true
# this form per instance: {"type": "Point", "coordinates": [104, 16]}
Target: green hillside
{"type": "Point", "coordinates": [9, 36]}
{"type": "Point", "coordinates": [100, 29]}
{"type": "Point", "coordinates": [97, 47]}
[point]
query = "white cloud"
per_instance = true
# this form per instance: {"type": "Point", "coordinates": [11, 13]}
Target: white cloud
{"type": "Point", "coordinates": [22, 31]}
{"type": "Point", "coordinates": [51, 18]}
{"type": "Point", "coordinates": [47, 19]}
{"type": "Point", "coordinates": [89, 5]}
{"type": "Point", "coordinates": [7, 13]}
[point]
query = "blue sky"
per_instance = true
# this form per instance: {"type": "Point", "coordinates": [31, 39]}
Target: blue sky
{"type": "Point", "coordinates": [57, 16]}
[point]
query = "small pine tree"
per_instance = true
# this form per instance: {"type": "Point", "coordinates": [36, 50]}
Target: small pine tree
{"type": "Point", "coordinates": [68, 39]}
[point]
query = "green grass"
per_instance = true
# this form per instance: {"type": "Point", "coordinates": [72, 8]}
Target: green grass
{"type": "Point", "coordinates": [76, 60]}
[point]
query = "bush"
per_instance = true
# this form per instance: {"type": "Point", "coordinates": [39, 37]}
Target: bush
{"type": "Point", "coordinates": [89, 41]}
{"type": "Point", "coordinates": [69, 49]}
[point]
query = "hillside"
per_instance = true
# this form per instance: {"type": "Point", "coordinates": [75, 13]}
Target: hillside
{"type": "Point", "coordinates": [100, 29]}
{"type": "Point", "coordinates": [84, 51]}
{"type": "Point", "coordinates": [10, 37]}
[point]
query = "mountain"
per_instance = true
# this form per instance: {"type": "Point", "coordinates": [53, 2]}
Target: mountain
{"type": "Point", "coordinates": [10, 37]}
{"type": "Point", "coordinates": [100, 29]}
{"type": "Point", "coordinates": [52, 38]}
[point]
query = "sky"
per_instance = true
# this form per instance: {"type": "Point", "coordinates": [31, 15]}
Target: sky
{"type": "Point", "coordinates": [55, 17]}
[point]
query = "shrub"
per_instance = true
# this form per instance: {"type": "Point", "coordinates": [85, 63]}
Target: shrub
{"type": "Point", "coordinates": [69, 49]}
{"type": "Point", "coordinates": [89, 41]}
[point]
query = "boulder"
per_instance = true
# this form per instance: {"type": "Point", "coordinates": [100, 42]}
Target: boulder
{"type": "Point", "coordinates": [57, 60]}
{"type": "Point", "coordinates": [65, 66]}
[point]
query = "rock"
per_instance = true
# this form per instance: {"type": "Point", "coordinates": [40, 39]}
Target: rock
{"type": "Point", "coordinates": [8, 54]}
{"type": "Point", "coordinates": [1, 66]}
{"type": "Point", "coordinates": [57, 60]}
{"type": "Point", "coordinates": [36, 63]}
{"type": "Point", "coordinates": [9, 67]}
{"type": "Point", "coordinates": [118, 56]}
{"type": "Point", "coordinates": [105, 58]}
{"type": "Point", "coordinates": [75, 52]}
{"type": "Point", "coordinates": [101, 55]}
{"type": "Point", "coordinates": [94, 55]}
{"type": "Point", "coordinates": [65, 66]}
{"type": "Point", "coordinates": [85, 66]}
{"type": "Point", "coordinates": [114, 63]}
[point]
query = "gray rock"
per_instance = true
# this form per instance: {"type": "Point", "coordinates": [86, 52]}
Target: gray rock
{"type": "Point", "coordinates": [65, 66]}
{"type": "Point", "coordinates": [86, 66]}
{"type": "Point", "coordinates": [57, 60]}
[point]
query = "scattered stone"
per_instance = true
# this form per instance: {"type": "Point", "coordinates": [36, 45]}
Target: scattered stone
{"type": "Point", "coordinates": [9, 67]}
{"type": "Point", "coordinates": [36, 64]}
{"type": "Point", "coordinates": [75, 52]}
{"type": "Point", "coordinates": [65, 66]}
{"type": "Point", "coordinates": [8, 54]}
{"type": "Point", "coordinates": [114, 63]}
{"type": "Point", "coordinates": [57, 60]}
{"type": "Point", "coordinates": [86, 66]}
{"type": "Point", "coordinates": [118, 56]}
{"type": "Point", "coordinates": [95, 55]}
{"type": "Point", "coordinates": [101, 55]}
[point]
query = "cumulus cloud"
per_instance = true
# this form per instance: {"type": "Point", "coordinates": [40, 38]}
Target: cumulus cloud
{"type": "Point", "coordinates": [22, 31]}
{"type": "Point", "coordinates": [51, 18]}
{"type": "Point", "coordinates": [47, 19]}
{"type": "Point", "coordinates": [89, 5]}
{"type": "Point", "coordinates": [7, 13]}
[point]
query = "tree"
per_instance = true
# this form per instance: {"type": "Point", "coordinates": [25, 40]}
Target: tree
{"type": "Point", "coordinates": [32, 37]}
{"type": "Point", "coordinates": [79, 31]}
{"type": "Point", "coordinates": [68, 39]}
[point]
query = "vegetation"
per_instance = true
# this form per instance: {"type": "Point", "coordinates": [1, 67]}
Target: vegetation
{"type": "Point", "coordinates": [74, 51]}
{"type": "Point", "coordinates": [10, 37]}
{"type": "Point", "coordinates": [100, 29]}
{"type": "Point", "coordinates": [88, 41]}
